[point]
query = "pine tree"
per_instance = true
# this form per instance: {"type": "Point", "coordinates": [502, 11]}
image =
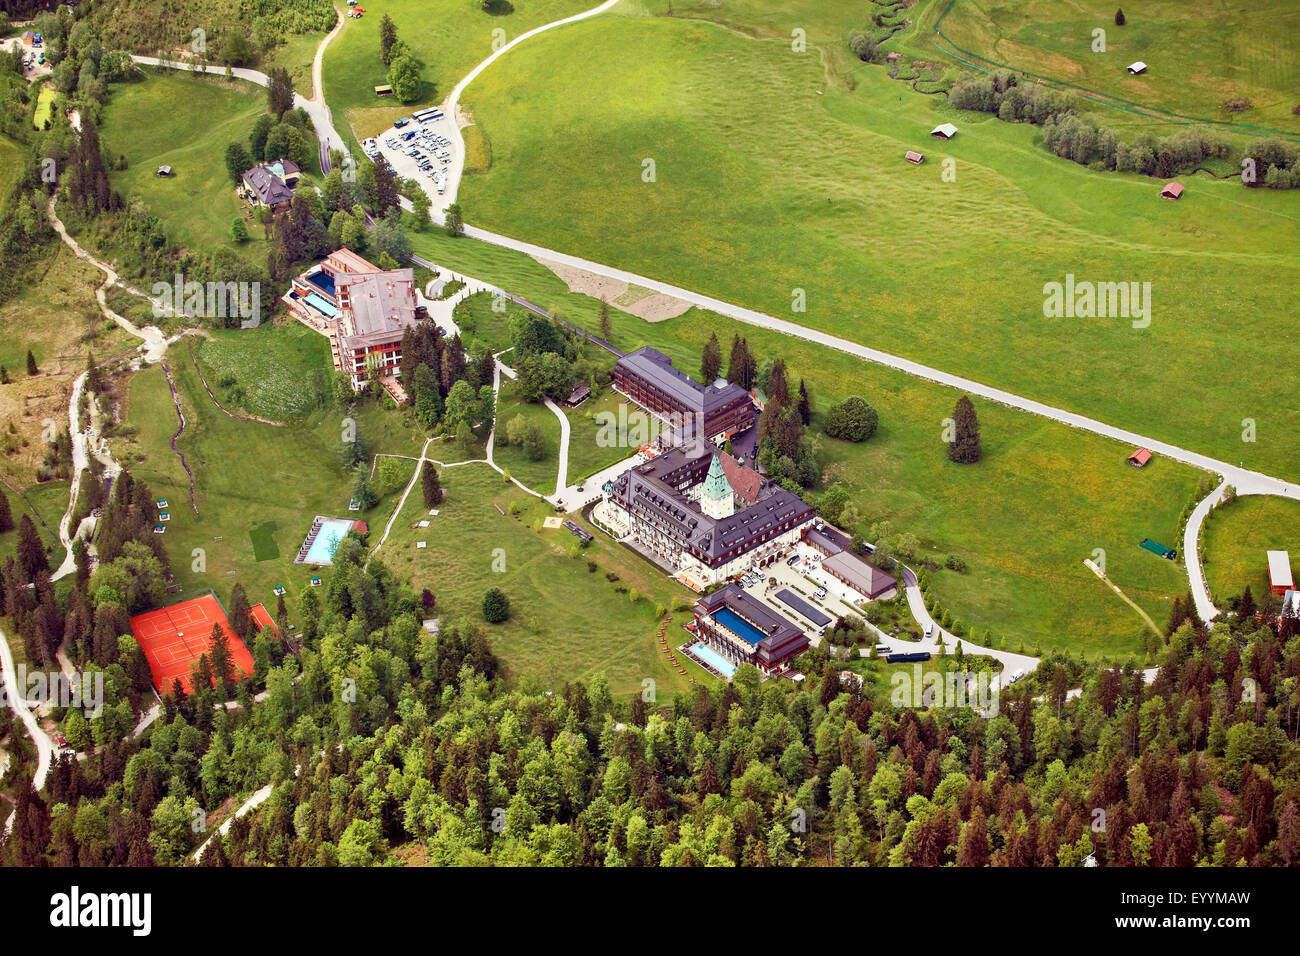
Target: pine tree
{"type": "Point", "coordinates": [387, 37]}
{"type": "Point", "coordinates": [32, 559]}
{"type": "Point", "coordinates": [606, 330]}
{"type": "Point", "coordinates": [777, 389]}
{"type": "Point", "coordinates": [965, 445]}
{"type": "Point", "coordinates": [804, 406]}
{"type": "Point", "coordinates": [240, 613]}
{"type": "Point", "coordinates": [31, 364]}
{"type": "Point", "coordinates": [223, 667]}
{"type": "Point", "coordinates": [6, 516]}
{"type": "Point", "coordinates": [432, 486]}
{"type": "Point", "coordinates": [1119, 18]}
{"type": "Point", "coordinates": [711, 360]}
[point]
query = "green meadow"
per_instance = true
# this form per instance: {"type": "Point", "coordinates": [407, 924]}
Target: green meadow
{"type": "Point", "coordinates": [1044, 497]}
{"type": "Point", "coordinates": [1199, 53]}
{"type": "Point", "coordinates": [257, 486]}
{"type": "Point", "coordinates": [197, 203]}
{"type": "Point", "coordinates": [1237, 537]}
{"type": "Point", "coordinates": [567, 622]}
{"type": "Point", "coordinates": [536, 474]}
{"type": "Point", "coordinates": [769, 181]}
{"type": "Point", "coordinates": [272, 367]}
{"type": "Point", "coordinates": [448, 36]}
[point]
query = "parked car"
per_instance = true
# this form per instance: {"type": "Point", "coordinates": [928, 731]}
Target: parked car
{"type": "Point", "coordinates": [793, 560]}
{"type": "Point", "coordinates": [402, 122]}
{"type": "Point", "coordinates": [882, 649]}
{"type": "Point", "coordinates": [820, 593]}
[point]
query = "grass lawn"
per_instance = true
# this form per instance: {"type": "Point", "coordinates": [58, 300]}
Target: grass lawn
{"type": "Point", "coordinates": [540, 474]}
{"type": "Point", "coordinates": [1198, 52]}
{"type": "Point", "coordinates": [276, 368]}
{"type": "Point", "coordinates": [45, 503]}
{"type": "Point", "coordinates": [589, 451]}
{"type": "Point", "coordinates": [1236, 537]}
{"type": "Point", "coordinates": [1024, 519]}
{"type": "Point", "coordinates": [566, 622]}
{"type": "Point", "coordinates": [481, 327]}
{"type": "Point", "coordinates": [448, 36]}
{"type": "Point", "coordinates": [185, 122]}
{"type": "Point", "coordinates": [44, 105]}
{"type": "Point", "coordinates": [769, 180]}
{"type": "Point", "coordinates": [258, 486]}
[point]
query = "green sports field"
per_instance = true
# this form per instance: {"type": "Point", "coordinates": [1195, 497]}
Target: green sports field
{"type": "Point", "coordinates": [770, 180]}
{"type": "Point", "coordinates": [185, 122]}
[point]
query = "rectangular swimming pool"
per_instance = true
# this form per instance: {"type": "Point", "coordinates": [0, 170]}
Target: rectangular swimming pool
{"type": "Point", "coordinates": [738, 625]}
{"type": "Point", "coordinates": [332, 531]}
{"type": "Point", "coordinates": [715, 660]}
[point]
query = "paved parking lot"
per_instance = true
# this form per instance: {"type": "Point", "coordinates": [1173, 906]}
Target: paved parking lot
{"type": "Point", "coordinates": [36, 70]}
{"type": "Point", "coordinates": [408, 167]}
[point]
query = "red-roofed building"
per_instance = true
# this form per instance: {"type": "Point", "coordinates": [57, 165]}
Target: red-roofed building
{"type": "Point", "coordinates": [912, 156]}
{"type": "Point", "coordinates": [1172, 190]}
{"type": "Point", "coordinates": [1139, 458]}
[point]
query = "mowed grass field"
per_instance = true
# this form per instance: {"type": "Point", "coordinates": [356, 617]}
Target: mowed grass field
{"type": "Point", "coordinates": [1237, 537]}
{"type": "Point", "coordinates": [1024, 519]}
{"type": "Point", "coordinates": [448, 36]}
{"type": "Point", "coordinates": [768, 181]}
{"type": "Point", "coordinates": [1199, 53]}
{"type": "Point", "coordinates": [247, 475]}
{"type": "Point", "coordinates": [536, 474]}
{"type": "Point", "coordinates": [185, 122]}
{"type": "Point", "coordinates": [566, 622]}
{"type": "Point", "coordinates": [273, 366]}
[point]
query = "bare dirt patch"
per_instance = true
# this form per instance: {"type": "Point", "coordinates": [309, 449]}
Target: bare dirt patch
{"type": "Point", "coordinates": [634, 300]}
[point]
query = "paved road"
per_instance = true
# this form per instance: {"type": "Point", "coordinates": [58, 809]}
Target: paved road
{"type": "Point", "coordinates": [916, 604]}
{"type": "Point", "coordinates": [14, 697]}
{"type": "Point", "coordinates": [457, 167]}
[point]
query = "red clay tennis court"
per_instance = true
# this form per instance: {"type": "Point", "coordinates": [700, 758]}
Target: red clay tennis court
{"type": "Point", "coordinates": [172, 639]}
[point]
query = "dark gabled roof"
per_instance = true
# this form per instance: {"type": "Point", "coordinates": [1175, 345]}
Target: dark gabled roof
{"type": "Point", "coordinates": [657, 489]}
{"type": "Point", "coordinates": [657, 368]}
{"type": "Point", "coordinates": [863, 577]}
{"type": "Point", "coordinates": [782, 639]}
{"type": "Point", "coordinates": [267, 186]}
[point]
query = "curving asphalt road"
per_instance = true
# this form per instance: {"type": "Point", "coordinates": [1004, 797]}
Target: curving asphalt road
{"type": "Point", "coordinates": [452, 103]}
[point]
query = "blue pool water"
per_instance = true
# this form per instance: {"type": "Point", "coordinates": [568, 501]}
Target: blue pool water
{"type": "Point", "coordinates": [332, 531]}
{"type": "Point", "coordinates": [715, 660]}
{"type": "Point", "coordinates": [738, 625]}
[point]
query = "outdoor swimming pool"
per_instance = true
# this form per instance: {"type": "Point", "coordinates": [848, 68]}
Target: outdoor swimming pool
{"type": "Point", "coordinates": [332, 531]}
{"type": "Point", "coordinates": [738, 625]}
{"type": "Point", "coordinates": [715, 660]}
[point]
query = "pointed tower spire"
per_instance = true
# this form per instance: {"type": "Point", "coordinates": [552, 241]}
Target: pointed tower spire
{"type": "Point", "coordinates": [717, 500]}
